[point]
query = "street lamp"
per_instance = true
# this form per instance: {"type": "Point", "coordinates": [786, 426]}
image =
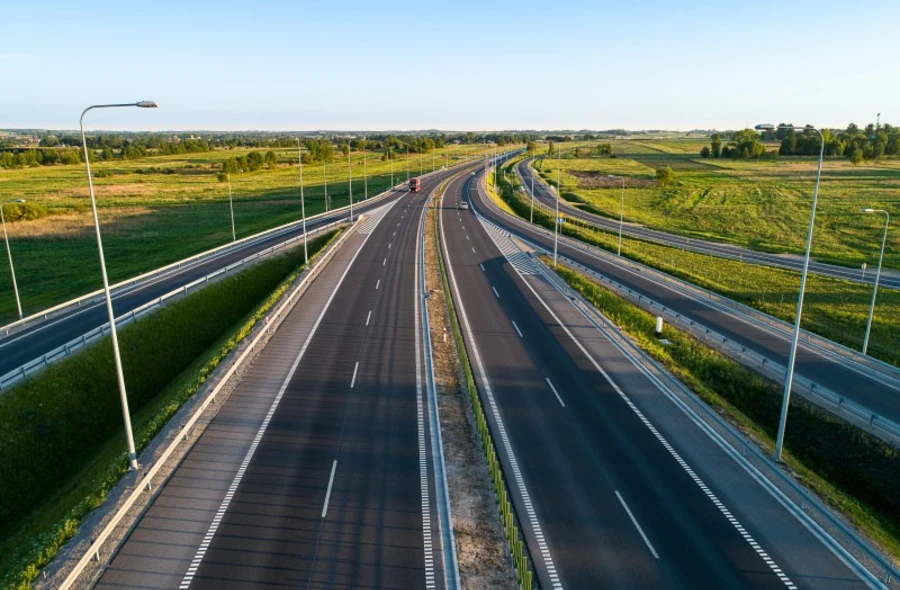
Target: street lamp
{"type": "Point", "coordinates": [302, 201]}
{"type": "Point", "coordinates": [231, 207]}
{"type": "Point", "coordinates": [407, 162]}
{"type": "Point", "coordinates": [558, 190]}
{"type": "Point", "coordinates": [350, 183]}
{"type": "Point", "coordinates": [12, 269]}
{"type": "Point", "coordinates": [621, 211]}
{"type": "Point", "coordinates": [325, 180]}
{"type": "Point", "coordinates": [365, 174]}
{"type": "Point", "coordinates": [887, 221]}
{"type": "Point", "coordinates": [120, 376]}
{"type": "Point", "coordinates": [789, 377]}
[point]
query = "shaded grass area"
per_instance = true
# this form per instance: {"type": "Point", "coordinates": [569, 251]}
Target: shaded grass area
{"type": "Point", "coordinates": [833, 308]}
{"type": "Point", "coordinates": [157, 210]}
{"type": "Point", "coordinates": [62, 447]}
{"type": "Point", "coordinates": [853, 471]}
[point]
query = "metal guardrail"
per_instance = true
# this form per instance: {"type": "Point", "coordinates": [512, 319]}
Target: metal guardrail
{"type": "Point", "coordinates": [21, 324]}
{"type": "Point", "coordinates": [31, 367]}
{"type": "Point", "coordinates": [886, 373]}
{"type": "Point", "coordinates": [850, 410]}
{"type": "Point", "coordinates": [791, 494]}
{"type": "Point", "coordinates": [93, 551]}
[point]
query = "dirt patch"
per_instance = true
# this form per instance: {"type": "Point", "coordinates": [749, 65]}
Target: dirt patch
{"type": "Point", "coordinates": [480, 542]}
{"type": "Point", "coordinates": [592, 179]}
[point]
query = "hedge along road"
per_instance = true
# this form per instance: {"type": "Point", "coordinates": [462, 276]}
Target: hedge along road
{"type": "Point", "coordinates": [614, 487]}
{"type": "Point", "coordinates": [317, 470]}
{"type": "Point", "coordinates": [547, 197]}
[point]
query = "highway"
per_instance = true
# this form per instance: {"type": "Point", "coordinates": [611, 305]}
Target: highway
{"type": "Point", "coordinates": [41, 337]}
{"type": "Point", "coordinates": [844, 377]}
{"type": "Point", "coordinates": [316, 473]}
{"type": "Point", "coordinates": [547, 197]}
{"type": "Point", "coordinates": [614, 487]}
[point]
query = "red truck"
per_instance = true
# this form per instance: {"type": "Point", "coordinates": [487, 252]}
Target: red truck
{"type": "Point", "coordinates": [414, 185]}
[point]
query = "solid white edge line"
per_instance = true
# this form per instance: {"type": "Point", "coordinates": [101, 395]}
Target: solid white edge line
{"type": "Point", "coordinates": [778, 572]}
{"type": "Point", "coordinates": [562, 403]}
{"type": "Point", "coordinates": [242, 469]}
{"type": "Point", "coordinates": [353, 380]}
{"type": "Point", "coordinates": [636, 525]}
{"type": "Point", "coordinates": [328, 492]}
{"type": "Point", "coordinates": [517, 328]}
{"type": "Point", "coordinates": [544, 554]}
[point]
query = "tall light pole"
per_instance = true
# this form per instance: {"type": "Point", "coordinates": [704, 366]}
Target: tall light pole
{"type": "Point", "coordinates": [887, 222]}
{"type": "Point", "coordinates": [231, 207]}
{"type": "Point", "coordinates": [365, 174]}
{"type": "Point", "coordinates": [302, 201]}
{"type": "Point", "coordinates": [532, 195]}
{"type": "Point", "coordinates": [12, 269]}
{"type": "Point", "coordinates": [120, 376]}
{"type": "Point", "coordinates": [789, 377]}
{"type": "Point", "coordinates": [350, 183]}
{"type": "Point", "coordinates": [621, 211]}
{"type": "Point", "coordinates": [325, 180]}
{"type": "Point", "coordinates": [390, 154]}
{"type": "Point", "coordinates": [407, 162]}
{"type": "Point", "coordinates": [556, 221]}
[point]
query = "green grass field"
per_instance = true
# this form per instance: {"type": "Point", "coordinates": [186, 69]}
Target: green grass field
{"type": "Point", "coordinates": [763, 205]}
{"type": "Point", "coordinates": [161, 209]}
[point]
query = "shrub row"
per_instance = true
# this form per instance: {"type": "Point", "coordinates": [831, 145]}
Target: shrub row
{"type": "Point", "coordinates": [857, 463]}
{"type": "Point", "coordinates": [53, 423]}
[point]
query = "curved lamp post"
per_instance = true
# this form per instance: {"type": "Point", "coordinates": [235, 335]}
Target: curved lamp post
{"type": "Point", "coordinates": [302, 201]}
{"type": "Point", "coordinates": [132, 454]}
{"type": "Point", "coordinates": [789, 377]}
{"type": "Point", "coordinates": [12, 269]}
{"type": "Point", "coordinates": [887, 222]}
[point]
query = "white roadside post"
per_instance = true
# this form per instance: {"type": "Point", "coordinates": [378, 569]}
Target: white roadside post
{"type": "Point", "coordinates": [887, 222]}
{"type": "Point", "coordinates": [120, 376]}
{"type": "Point", "coordinates": [795, 341]}
{"type": "Point", "coordinates": [12, 269]}
{"type": "Point", "coordinates": [302, 201]}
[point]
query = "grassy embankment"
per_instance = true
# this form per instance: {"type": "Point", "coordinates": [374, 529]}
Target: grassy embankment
{"type": "Point", "coordinates": [63, 444]}
{"type": "Point", "coordinates": [856, 473]}
{"type": "Point", "coordinates": [157, 210]}
{"type": "Point", "coordinates": [833, 308]}
{"type": "Point", "coordinates": [763, 205]}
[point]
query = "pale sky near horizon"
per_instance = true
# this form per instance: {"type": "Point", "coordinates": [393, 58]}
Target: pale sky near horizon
{"type": "Point", "coordinates": [402, 64]}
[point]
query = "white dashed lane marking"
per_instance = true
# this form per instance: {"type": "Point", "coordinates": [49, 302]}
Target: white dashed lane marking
{"type": "Point", "coordinates": [353, 380]}
{"type": "Point", "coordinates": [636, 525]}
{"type": "Point", "coordinates": [562, 403]}
{"type": "Point", "coordinates": [328, 493]}
{"type": "Point", "coordinates": [517, 329]}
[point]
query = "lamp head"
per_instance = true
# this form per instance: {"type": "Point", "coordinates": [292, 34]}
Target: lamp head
{"type": "Point", "coordinates": [868, 210]}
{"type": "Point", "coordinates": [765, 127]}
{"type": "Point", "coordinates": [17, 201]}
{"type": "Point", "coordinates": [146, 104]}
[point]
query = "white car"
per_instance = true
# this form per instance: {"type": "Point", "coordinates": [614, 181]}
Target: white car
{"type": "Point", "coordinates": [463, 204]}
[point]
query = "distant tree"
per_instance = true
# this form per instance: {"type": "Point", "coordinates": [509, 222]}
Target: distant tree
{"type": "Point", "coordinates": [271, 160]}
{"type": "Point", "coordinates": [254, 161]}
{"type": "Point", "coordinates": [49, 141]}
{"type": "Point", "coordinates": [345, 149]}
{"type": "Point", "coordinates": [716, 145]}
{"type": "Point", "coordinates": [603, 148]}
{"type": "Point", "coordinates": [665, 176]}
{"type": "Point", "coordinates": [530, 147]}
{"type": "Point", "coordinates": [855, 154]}
{"type": "Point", "coordinates": [705, 152]}
{"type": "Point", "coordinates": [551, 149]}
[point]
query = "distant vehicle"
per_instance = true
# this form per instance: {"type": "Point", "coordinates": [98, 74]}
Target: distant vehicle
{"type": "Point", "coordinates": [415, 185]}
{"type": "Point", "coordinates": [463, 204]}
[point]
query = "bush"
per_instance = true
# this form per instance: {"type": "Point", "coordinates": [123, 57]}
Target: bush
{"type": "Point", "coordinates": [23, 211]}
{"type": "Point", "coordinates": [52, 424]}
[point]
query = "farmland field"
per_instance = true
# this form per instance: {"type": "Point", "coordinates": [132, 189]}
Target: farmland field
{"type": "Point", "coordinates": [763, 204]}
{"type": "Point", "coordinates": [157, 210]}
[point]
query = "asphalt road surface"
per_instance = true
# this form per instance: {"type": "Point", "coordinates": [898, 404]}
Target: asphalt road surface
{"type": "Point", "coordinates": [606, 500]}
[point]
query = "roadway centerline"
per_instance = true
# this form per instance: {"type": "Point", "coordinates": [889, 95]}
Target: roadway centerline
{"type": "Point", "coordinates": [517, 328]}
{"type": "Point", "coordinates": [368, 317]}
{"type": "Point", "coordinates": [385, 262]}
{"type": "Point", "coordinates": [495, 291]}
{"type": "Point", "coordinates": [562, 403]}
{"type": "Point", "coordinates": [328, 492]}
{"type": "Point", "coordinates": [353, 380]}
{"type": "Point", "coordinates": [636, 525]}
{"type": "Point", "coordinates": [377, 284]}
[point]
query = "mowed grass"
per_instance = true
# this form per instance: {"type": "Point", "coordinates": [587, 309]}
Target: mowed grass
{"type": "Point", "coordinates": [833, 308]}
{"type": "Point", "coordinates": [157, 210]}
{"type": "Point", "coordinates": [763, 205]}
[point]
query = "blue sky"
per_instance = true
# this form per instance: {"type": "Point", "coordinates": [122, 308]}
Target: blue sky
{"type": "Point", "coordinates": [450, 65]}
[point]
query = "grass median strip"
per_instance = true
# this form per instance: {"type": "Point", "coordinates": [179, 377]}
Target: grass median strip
{"type": "Point", "coordinates": [853, 471]}
{"type": "Point", "coordinates": [62, 447]}
{"type": "Point", "coordinates": [514, 539]}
